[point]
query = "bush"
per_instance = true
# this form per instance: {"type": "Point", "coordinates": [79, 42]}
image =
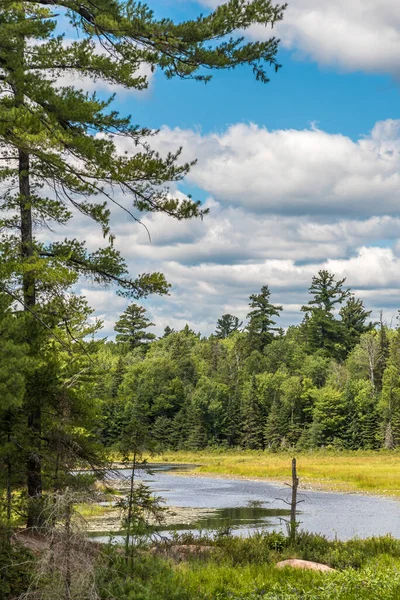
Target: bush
{"type": "Point", "coordinates": [16, 569]}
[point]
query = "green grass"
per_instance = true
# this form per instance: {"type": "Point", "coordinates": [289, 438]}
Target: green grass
{"type": "Point", "coordinates": [244, 569]}
{"type": "Point", "coordinates": [367, 471]}
{"type": "Point", "coordinates": [88, 510]}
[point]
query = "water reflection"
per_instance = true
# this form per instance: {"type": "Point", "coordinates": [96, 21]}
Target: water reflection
{"type": "Point", "coordinates": [242, 517]}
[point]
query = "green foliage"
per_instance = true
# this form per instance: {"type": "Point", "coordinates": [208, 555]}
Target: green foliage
{"type": "Point", "coordinates": [16, 568]}
{"type": "Point", "coordinates": [261, 322]}
{"type": "Point", "coordinates": [226, 325]}
{"type": "Point", "coordinates": [66, 151]}
{"type": "Point", "coordinates": [353, 318]}
{"type": "Point", "coordinates": [244, 569]}
{"type": "Point", "coordinates": [223, 392]}
{"type": "Point", "coordinates": [131, 327]}
{"type": "Point", "coordinates": [252, 418]}
{"type": "Point", "coordinates": [390, 398]}
{"type": "Point", "coordinates": [321, 329]}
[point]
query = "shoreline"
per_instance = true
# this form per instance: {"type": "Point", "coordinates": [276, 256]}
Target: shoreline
{"type": "Point", "coordinates": [307, 484]}
{"type": "Point", "coordinates": [310, 485]}
{"type": "Point", "coordinates": [110, 522]}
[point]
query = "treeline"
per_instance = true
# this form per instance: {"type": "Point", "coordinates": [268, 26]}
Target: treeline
{"type": "Point", "coordinates": [333, 380]}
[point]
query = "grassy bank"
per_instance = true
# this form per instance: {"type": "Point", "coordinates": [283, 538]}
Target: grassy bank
{"type": "Point", "coordinates": [229, 568]}
{"type": "Point", "coordinates": [371, 472]}
{"type": "Point", "coordinates": [244, 569]}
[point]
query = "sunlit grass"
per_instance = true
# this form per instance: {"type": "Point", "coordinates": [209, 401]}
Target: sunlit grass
{"type": "Point", "coordinates": [90, 510]}
{"type": "Point", "coordinates": [367, 471]}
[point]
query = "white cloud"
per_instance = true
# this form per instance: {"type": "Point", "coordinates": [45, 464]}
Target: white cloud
{"type": "Point", "coordinates": [285, 204]}
{"type": "Point", "coordinates": [356, 35]}
{"type": "Point", "coordinates": [294, 171]}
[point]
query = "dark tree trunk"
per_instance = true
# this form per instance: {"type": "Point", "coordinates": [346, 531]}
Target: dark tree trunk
{"type": "Point", "coordinates": [33, 465]}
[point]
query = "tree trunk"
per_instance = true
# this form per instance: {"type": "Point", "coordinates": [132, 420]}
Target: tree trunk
{"type": "Point", "coordinates": [33, 410]}
{"type": "Point", "coordinates": [67, 550]}
{"type": "Point", "coordinates": [33, 466]}
{"type": "Point", "coordinates": [9, 485]}
{"type": "Point", "coordinates": [128, 554]}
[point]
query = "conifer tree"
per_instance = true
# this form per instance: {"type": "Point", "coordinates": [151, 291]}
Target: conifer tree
{"type": "Point", "coordinates": [226, 325]}
{"type": "Point", "coordinates": [322, 330]}
{"type": "Point", "coordinates": [390, 398]}
{"type": "Point", "coordinates": [131, 327]}
{"type": "Point", "coordinates": [167, 331]}
{"type": "Point", "coordinates": [383, 353]}
{"type": "Point", "coordinates": [275, 427]}
{"type": "Point", "coordinates": [261, 325]}
{"type": "Point", "coordinates": [252, 418]}
{"type": "Point", "coordinates": [58, 144]}
{"type": "Point", "coordinates": [354, 322]}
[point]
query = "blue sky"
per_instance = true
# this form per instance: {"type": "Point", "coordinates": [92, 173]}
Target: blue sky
{"type": "Point", "coordinates": [300, 174]}
{"type": "Point", "coordinates": [299, 94]}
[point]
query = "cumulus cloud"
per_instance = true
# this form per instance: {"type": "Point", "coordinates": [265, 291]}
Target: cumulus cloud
{"type": "Point", "coordinates": [352, 34]}
{"type": "Point", "coordinates": [294, 171]}
{"type": "Point", "coordinates": [283, 205]}
{"type": "Point", "coordinates": [231, 254]}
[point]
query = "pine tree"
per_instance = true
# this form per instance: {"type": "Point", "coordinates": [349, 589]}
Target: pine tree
{"type": "Point", "coordinates": [274, 432]}
{"type": "Point", "coordinates": [353, 318]}
{"type": "Point", "coordinates": [131, 327]}
{"type": "Point", "coordinates": [15, 366]}
{"type": "Point", "coordinates": [390, 397]}
{"type": "Point", "coordinates": [226, 325]}
{"type": "Point", "coordinates": [168, 330]}
{"type": "Point", "coordinates": [383, 353]}
{"type": "Point", "coordinates": [59, 143]}
{"type": "Point", "coordinates": [252, 419]}
{"type": "Point", "coordinates": [261, 319]}
{"type": "Point", "coordinates": [321, 329]}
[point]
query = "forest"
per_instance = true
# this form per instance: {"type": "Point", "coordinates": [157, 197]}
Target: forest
{"type": "Point", "coordinates": [331, 381]}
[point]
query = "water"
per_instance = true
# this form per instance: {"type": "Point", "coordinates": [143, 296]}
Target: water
{"type": "Point", "coordinates": [247, 505]}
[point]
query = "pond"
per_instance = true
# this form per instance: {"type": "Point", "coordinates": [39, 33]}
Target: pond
{"type": "Point", "coordinates": [253, 504]}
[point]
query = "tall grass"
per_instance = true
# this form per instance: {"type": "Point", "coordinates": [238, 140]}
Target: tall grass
{"type": "Point", "coordinates": [244, 569]}
{"type": "Point", "coordinates": [367, 471]}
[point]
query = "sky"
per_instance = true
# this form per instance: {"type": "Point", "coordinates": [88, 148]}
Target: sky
{"type": "Point", "coordinates": [299, 174]}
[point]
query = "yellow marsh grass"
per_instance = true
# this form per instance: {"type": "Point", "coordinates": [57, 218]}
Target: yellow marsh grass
{"type": "Point", "coordinates": [93, 510]}
{"type": "Point", "coordinates": [374, 472]}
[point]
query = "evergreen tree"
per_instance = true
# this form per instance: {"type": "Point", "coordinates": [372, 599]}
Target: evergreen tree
{"type": "Point", "coordinates": [274, 431]}
{"type": "Point", "coordinates": [322, 330]}
{"type": "Point", "coordinates": [131, 327]}
{"type": "Point", "coordinates": [167, 331]}
{"type": "Point", "coordinates": [261, 319]}
{"type": "Point", "coordinates": [59, 145]}
{"type": "Point", "coordinates": [252, 418]}
{"type": "Point", "coordinates": [15, 366]}
{"type": "Point", "coordinates": [383, 353]}
{"type": "Point", "coordinates": [353, 317]}
{"type": "Point", "coordinates": [292, 405]}
{"type": "Point", "coordinates": [390, 398]}
{"type": "Point", "coordinates": [226, 325]}
{"type": "Point", "coordinates": [363, 415]}
{"type": "Point", "coordinates": [330, 416]}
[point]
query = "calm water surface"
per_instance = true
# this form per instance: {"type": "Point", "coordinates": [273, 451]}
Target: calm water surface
{"type": "Point", "coordinates": [344, 515]}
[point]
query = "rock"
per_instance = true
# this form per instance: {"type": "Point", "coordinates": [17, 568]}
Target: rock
{"type": "Point", "coordinates": [296, 563]}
